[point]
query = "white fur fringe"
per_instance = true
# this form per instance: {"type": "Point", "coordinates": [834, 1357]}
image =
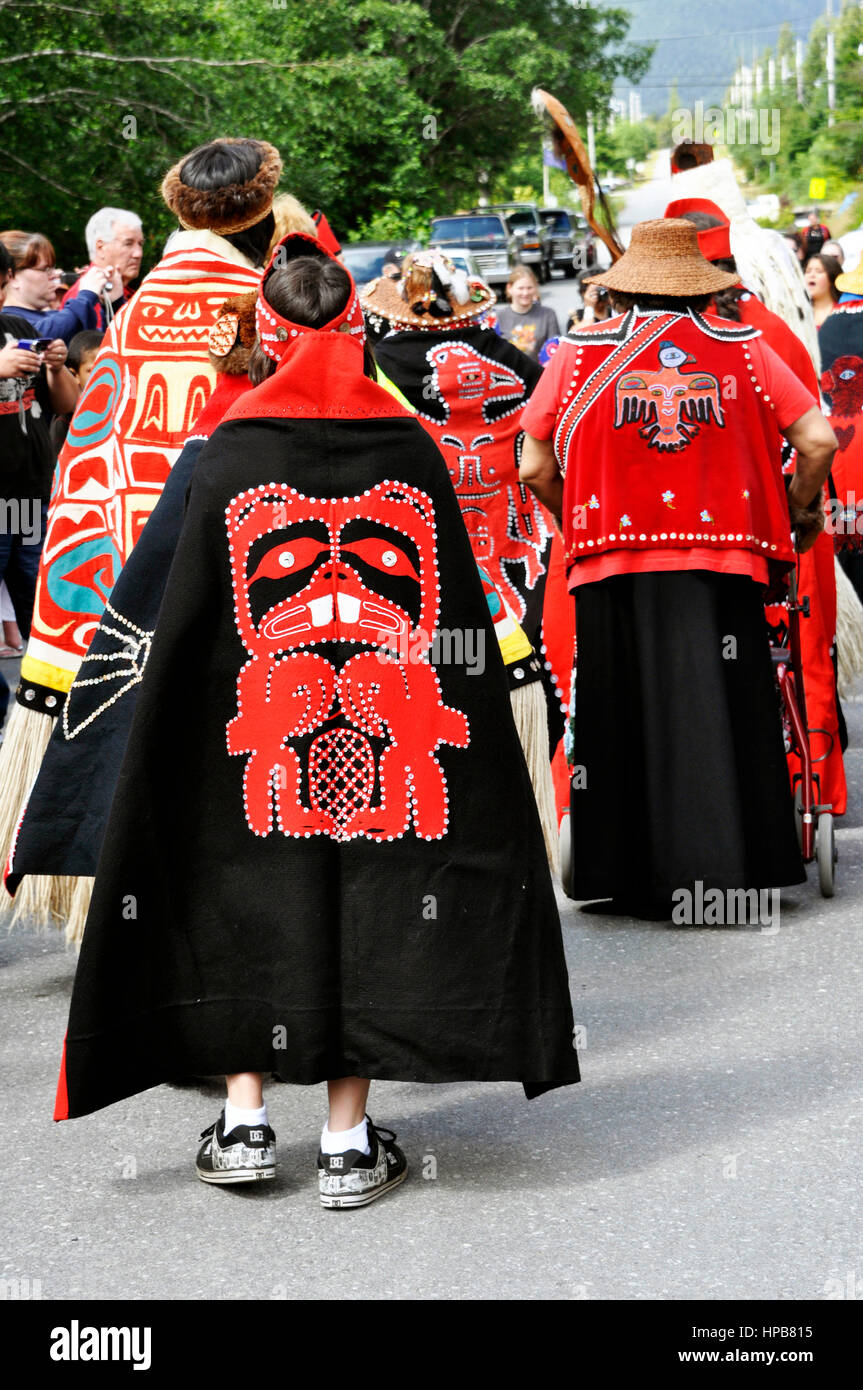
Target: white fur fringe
{"type": "Point", "coordinates": [531, 720]}
{"type": "Point", "coordinates": [849, 634]}
{"type": "Point", "coordinates": [26, 738]}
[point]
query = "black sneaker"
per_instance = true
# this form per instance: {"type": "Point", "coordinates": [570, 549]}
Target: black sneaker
{"type": "Point", "coordinates": [353, 1179]}
{"type": "Point", "coordinates": [245, 1155]}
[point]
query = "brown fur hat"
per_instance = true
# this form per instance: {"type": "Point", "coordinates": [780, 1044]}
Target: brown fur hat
{"type": "Point", "coordinates": [232, 336]}
{"type": "Point", "coordinates": [232, 208]}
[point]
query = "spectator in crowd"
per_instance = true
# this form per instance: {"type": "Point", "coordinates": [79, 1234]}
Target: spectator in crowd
{"type": "Point", "coordinates": [820, 276]}
{"type": "Point", "coordinates": [795, 242]}
{"type": "Point", "coordinates": [5, 272]}
{"type": "Point", "coordinates": [392, 264]}
{"type": "Point", "coordinates": [596, 305]}
{"type": "Point", "coordinates": [10, 641]}
{"type": "Point", "coordinates": [82, 354]}
{"type": "Point", "coordinates": [62, 280]}
{"type": "Point", "coordinates": [115, 238]}
{"type": "Point", "coordinates": [814, 235]}
{"type": "Point", "coordinates": [834, 248]}
{"type": "Point", "coordinates": [525, 322]}
{"type": "Point", "coordinates": [32, 385]}
{"type": "Point", "coordinates": [32, 286]}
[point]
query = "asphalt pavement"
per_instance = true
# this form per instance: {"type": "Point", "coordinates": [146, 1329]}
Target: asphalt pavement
{"type": "Point", "coordinates": [711, 1151]}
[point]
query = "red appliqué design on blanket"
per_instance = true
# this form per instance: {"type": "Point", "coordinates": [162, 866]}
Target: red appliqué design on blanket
{"type": "Point", "coordinates": [480, 440]}
{"type": "Point", "coordinates": [670, 401]}
{"type": "Point", "coordinates": [343, 750]}
{"type": "Point", "coordinates": [149, 383]}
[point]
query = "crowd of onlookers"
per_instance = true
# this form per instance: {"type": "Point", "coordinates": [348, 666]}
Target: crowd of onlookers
{"type": "Point", "coordinates": [51, 326]}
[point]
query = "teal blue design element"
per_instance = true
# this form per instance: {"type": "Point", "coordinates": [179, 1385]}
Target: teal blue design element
{"type": "Point", "coordinates": [492, 597]}
{"type": "Point", "coordinates": [79, 598]}
{"type": "Point", "coordinates": [90, 427]}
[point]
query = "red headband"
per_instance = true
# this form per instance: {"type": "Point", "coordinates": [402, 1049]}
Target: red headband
{"type": "Point", "coordinates": [276, 334]}
{"type": "Point", "coordinates": [714, 243]}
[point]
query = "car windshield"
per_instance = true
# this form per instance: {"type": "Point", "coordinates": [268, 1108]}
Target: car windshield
{"type": "Point", "coordinates": [458, 230]}
{"type": "Point", "coordinates": [520, 221]}
{"type": "Point", "coordinates": [558, 222]}
{"type": "Point", "coordinates": [364, 262]}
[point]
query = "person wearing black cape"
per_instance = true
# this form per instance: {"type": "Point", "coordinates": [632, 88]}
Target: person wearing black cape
{"type": "Point", "coordinates": [306, 868]}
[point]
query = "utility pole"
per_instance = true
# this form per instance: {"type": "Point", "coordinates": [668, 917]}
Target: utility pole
{"type": "Point", "coordinates": [591, 140]}
{"type": "Point", "coordinates": [798, 59]}
{"type": "Point", "coordinates": [831, 65]}
{"type": "Point", "coordinates": [545, 175]}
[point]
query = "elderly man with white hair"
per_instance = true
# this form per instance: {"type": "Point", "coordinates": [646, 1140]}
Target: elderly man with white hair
{"type": "Point", "coordinates": [114, 238]}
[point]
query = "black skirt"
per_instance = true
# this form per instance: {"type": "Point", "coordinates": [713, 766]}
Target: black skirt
{"type": "Point", "coordinates": [680, 771]}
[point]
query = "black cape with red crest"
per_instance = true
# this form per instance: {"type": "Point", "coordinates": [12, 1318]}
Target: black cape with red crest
{"type": "Point", "coordinates": [323, 857]}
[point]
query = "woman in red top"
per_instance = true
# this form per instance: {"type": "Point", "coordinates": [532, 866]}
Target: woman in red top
{"type": "Point", "coordinates": [654, 439]}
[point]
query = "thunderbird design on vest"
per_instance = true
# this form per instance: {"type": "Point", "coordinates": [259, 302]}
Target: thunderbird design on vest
{"type": "Point", "coordinates": [670, 401]}
{"type": "Point", "coordinates": [335, 746]}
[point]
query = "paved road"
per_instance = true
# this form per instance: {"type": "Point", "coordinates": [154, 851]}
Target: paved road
{"type": "Point", "coordinates": [711, 1151]}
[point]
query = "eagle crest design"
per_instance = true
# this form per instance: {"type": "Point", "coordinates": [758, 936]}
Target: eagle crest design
{"type": "Point", "coordinates": [670, 403]}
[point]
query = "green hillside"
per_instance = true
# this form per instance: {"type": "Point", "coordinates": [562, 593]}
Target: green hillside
{"type": "Point", "coordinates": [700, 46]}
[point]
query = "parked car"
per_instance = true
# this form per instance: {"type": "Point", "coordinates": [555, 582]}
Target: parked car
{"type": "Point", "coordinates": [364, 259]}
{"type": "Point", "coordinates": [483, 233]}
{"type": "Point", "coordinates": [572, 243]}
{"type": "Point", "coordinates": [531, 234]}
{"type": "Point", "coordinates": [766, 205]}
{"type": "Point", "coordinates": [464, 259]}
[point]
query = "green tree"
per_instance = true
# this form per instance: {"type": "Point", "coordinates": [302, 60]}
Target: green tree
{"type": "Point", "coordinates": [384, 110]}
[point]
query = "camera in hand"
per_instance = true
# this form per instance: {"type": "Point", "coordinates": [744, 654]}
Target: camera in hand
{"type": "Point", "coordinates": [33, 344]}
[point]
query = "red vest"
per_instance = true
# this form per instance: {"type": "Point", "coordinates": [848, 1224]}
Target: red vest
{"type": "Point", "coordinates": [668, 440]}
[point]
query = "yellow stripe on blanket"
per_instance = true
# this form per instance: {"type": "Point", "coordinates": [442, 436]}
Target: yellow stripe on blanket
{"type": "Point", "coordinates": [515, 646]}
{"type": "Point", "coordinates": [41, 673]}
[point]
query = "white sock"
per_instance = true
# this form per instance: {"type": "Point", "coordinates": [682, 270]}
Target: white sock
{"type": "Point", "coordinates": [234, 1116]}
{"type": "Point", "coordinates": [344, 1139]}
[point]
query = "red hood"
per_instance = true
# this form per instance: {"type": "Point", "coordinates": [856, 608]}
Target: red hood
{"type": "Point", "coordinates": [319, 378]}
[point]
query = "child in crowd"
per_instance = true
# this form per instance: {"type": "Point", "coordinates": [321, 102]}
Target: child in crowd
{"type": "Point", "coordinates": [523, 321]}
{"type": "Point", "coordinates": [82, 354]}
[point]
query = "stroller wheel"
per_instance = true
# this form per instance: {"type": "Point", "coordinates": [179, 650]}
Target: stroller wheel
{"type": "Point", "coordinates": [825, 853]}
{"type": "Point", "coordinates": [565, 852]}
{"type": "Point", "coordinates": [798, 814]}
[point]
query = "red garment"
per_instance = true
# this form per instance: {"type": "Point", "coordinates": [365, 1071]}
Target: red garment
{"type": "Point", "coordinates": [664, 457]}
{"type": "Point", "coordinates": [816, 578]}
{"type": "Point", "coordinates": [781, 338]}
{"type": "Point", "coordinates": [842, 383]}
{"type": "Point", "coordinates": [72, 293]}
{"type": "Point", "coordinates": [558, 637]}
{"type": "Point", "coordinates": [325, 234]}
{"type": "Point", "coordinates": [323, 384]}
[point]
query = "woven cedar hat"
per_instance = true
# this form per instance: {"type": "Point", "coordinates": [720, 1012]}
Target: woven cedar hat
{"type": "Point", "coordinates": [851, 281]}
{"type": "Point", "coordinates": [233, 208]}
{"type": "Point", "coordinates": [430, 295]}
{"type": "Point", "coordinates": [663, 258]}
{"type": "Point", "coordinates": [714, 243]}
